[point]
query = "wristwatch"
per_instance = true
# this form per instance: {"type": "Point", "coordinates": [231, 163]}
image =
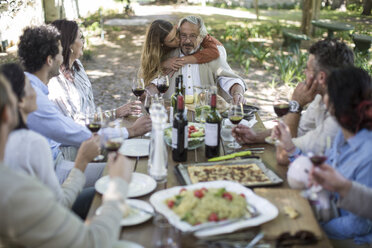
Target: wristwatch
{"type": "Point", "coordinates": [294, 107]}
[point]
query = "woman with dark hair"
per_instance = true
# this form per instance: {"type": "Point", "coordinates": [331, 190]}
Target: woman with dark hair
{"type": "Point", "coordinates": [161, 38]}
{"type": "Point", "coordinates": [29, 152]}
{"type": "Point", "coordinates": [349, 100]}
{"type": "Point", "coordinates": [71, 90]}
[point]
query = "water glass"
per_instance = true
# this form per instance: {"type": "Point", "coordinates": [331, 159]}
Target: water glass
{"type": "Point", "coordinates": [165, 235]}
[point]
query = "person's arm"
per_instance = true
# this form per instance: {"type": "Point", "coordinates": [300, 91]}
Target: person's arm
{"type": "Point", "coordinates": [304, 93]}
{"type": "Point", "coordinates": [246, 135]}
{"type": "Point", "coordinates": [45, 223]}
{"type": "Point", "coordinates": [209, 53]}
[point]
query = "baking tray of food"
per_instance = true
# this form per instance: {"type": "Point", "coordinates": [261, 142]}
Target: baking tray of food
{"type": "Point", "coordinates": [248, 172]}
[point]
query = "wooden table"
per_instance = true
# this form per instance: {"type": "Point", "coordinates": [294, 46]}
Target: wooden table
{"type": "Point", "coordinates": [332, 26]}
{"type": "Point", "coordinates": [142, 233]}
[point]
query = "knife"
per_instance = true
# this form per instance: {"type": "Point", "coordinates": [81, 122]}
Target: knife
{"type": "Point", "coordinates": [230, 156]}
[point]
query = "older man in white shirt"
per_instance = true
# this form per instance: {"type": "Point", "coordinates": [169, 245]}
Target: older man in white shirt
{"type": "Point", "coordinates": [216, 72]}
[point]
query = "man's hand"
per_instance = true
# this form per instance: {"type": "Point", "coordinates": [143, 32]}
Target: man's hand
{"type": "Point", "coordinates": [282, 133]}
{"type": "Point", "coordinates": [141, 126]}
{"type": "Point", "coordinates": [305, 92]}
{"type": "Point", "coordinates": [88, 150]}
{"type": "Point", "coordinates": [150, 89]}
{"type": "Point", "coordinates": [131, 108]}
{"type": "Point", "coordinates": [330, 179]}
{"type": "Point", "coordinates": [120, 166]}
{"type": "Point", "coordinates": [173, 63]}
{"type": "Point", "coordinates": [237, 93]}
{"type": "Point", "coordinates": [244, 134]}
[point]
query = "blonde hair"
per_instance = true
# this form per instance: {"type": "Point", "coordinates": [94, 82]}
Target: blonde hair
{"type": "Point", "coordinates": [154, 49]}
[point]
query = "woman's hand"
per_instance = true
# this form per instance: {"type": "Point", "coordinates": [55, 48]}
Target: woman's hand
{"type": "Point", "coordinates": [131, 108]}
{"type": "Point", "coordinates": [120, 166]}
{"type": "Point", "coordinates": [88, 150]}
{"type": "Point", "coordinates": [173, 64]}
{"type": "Point", "coordinates": [330, 179]}
{"type": "Point", "coordinates": [283, 134]}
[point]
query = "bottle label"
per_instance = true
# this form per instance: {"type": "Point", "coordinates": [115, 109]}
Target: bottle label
{"type": "Point", "coordinates": [174, 138]}
{"type": "Point", "coordinates": [171, 115]}
{"type": "Point", "coordinates": [211, 134]}
{"type": "Point", "coordinates": [186, 142]}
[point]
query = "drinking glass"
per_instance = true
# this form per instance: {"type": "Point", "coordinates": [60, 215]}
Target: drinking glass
{"type": "Point", "coordinates": [226, 132]}
{"type": "Point", "coordinates": [163, 84]}
{"type": "Point", "coordinates": [201, 100]}
{"type": "Point", "coordinates": [165, 235]}
{"type": "Point", "coordinates": [147, 104]}
{"type": "Point", "coordinates": [113, 136]}
{"type": "Point", "coordinates": [281, 108]}
{"type": "Point", "coordinates": [94, 122]}
{"type": "Point", "coordinates": [317, 159]}
{"type": "Point", "coordinates": [138, 87]}
{"type": "Point", "coordinates": [235, 114]}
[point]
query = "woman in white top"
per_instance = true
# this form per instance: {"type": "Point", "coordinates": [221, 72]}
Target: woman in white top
{"type": "Point", "coordinates": [30, 152]}
{"type": "Point", "coordinates": [71, 90]}
{"type": "Point", "coordinates": [31, 216]}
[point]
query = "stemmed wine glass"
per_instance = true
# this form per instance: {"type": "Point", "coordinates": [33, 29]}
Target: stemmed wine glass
{"type": "Point", "coordinates": [113, 136]}
{"type": "Point", "coordinates": [147, 104]}
{"type": "Point", "coordinates": [281, 108]}
{"type": "Point", "coordinates": [94, 122]}
{"type": "Point", "coordinates": [163, 84]}
{"type": "Point", "coordinates": [235, 115]}
{"type": "Point", "coordinates": [138, 87]}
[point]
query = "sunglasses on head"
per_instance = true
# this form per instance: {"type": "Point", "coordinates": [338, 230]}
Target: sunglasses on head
{"type": "Point", "coordinates": [299, 238]}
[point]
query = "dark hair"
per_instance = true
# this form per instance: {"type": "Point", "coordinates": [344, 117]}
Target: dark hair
{"type": "Point", "coordinates": [14, 74]}
{"type": "Point", "coordinates": [36, 44]}
{"type": "Point", "coordinates": [350, 96]}
{"type": "Point", "coordinates": [69, 32]}
{"type": "Point", "coordinates": [331, 54]}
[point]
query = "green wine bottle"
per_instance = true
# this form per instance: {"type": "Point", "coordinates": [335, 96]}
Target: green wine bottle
{"type": "Point", "coordinates": [173, 107]}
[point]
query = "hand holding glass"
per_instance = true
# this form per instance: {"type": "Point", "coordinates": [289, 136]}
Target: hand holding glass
{"type": "Point", "coordinates": [235, 115]}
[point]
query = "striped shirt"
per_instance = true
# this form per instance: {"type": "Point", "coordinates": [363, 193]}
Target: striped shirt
{"type": "Point", "coordinates": [73, 98]}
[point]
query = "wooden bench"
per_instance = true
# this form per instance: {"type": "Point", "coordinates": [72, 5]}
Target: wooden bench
{"type": "Point", "coordinates": [362, 42]}
{"type": "Point", "coordinates": [292, 39]}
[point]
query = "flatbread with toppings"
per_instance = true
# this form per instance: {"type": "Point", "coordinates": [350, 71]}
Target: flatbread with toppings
{"type": "Point", "coordinates": [246, 174]}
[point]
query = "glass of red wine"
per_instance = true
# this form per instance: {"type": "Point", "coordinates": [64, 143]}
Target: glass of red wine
{"type": "Point", "coordinates": [281, 108]}
{"type": "Point", "coordinates": [113, 136]}
{"type": "Point", "coordinates": [235, 114]}
{"type": "Point", "coordinates": [163, 84]}
{"type": "Point", "coordinates": [138, 87]}
{"type": "Point", "coordinates": [94, 122]}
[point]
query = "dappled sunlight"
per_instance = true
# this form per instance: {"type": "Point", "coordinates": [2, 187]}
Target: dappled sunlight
{"type": "Point", "coordinates": [98, 73]}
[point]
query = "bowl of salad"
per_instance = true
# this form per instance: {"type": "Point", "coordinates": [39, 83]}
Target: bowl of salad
{"type": "Point", "coordinates": [195, 135]}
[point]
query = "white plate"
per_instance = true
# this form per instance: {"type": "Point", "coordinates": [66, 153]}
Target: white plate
{"type": "Point", "coordinates": [267, 210]}
{"type": "Point", "coordinates": [126, 244]}
{"type": "Point", "coordinates": [135, 216]}
{"type": "Point", "coordinates": [135, 147]}
{"type": "Point", "coordinates": [140, 185]}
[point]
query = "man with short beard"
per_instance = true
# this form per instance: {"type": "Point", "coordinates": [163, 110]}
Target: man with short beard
{"type": "Point", "coordinates": [217, 72]}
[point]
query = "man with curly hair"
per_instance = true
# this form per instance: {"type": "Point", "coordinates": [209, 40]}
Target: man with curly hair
{"type": "Point", "coordinates": [40, 53]}
{"type": "Point", "coordinates": [310, 131]}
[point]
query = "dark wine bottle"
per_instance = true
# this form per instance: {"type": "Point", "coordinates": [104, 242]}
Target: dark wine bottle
{"type": "Point", "coordinates": [182, 85]}
{"type": "Point", "coordinates": [173, 108]}
{"type": "Point", "coordinates": [212, 130]}
{"type": "Point", "coordinates": [180, 133]}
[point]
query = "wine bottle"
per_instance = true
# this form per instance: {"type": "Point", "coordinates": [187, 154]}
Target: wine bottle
{"type": "Point", "coordinates": [212, 130]}
{"type": "Point", "coordinates": [173, 108]}
{"type": "Point", "coordinates": [183, 87]}
{"type": "Point", "coordinates": [180, 133]}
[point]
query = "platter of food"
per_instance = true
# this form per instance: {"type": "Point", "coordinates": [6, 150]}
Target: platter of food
{"type": "Point", "coordinates": [209, 204]}
{"type": "Point", "coordinates": [248, 172]}
{"type": "Point", "coordinates": [195, 135]}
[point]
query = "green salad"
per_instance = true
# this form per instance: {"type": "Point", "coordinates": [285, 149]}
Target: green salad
{"type": "Point", "coordinates": [195, 135]}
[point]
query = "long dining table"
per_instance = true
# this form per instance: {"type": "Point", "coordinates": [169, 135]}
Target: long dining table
{"type": "Point", "coordinates": [143, 233]}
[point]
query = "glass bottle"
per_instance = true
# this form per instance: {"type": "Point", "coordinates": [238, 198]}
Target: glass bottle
{"type": "Point", "coordinates": [213, 130]}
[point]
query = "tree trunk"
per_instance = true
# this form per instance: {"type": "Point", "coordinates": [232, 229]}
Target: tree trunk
{"type": "Point", "coordinates": [307, 16]}
{"type": "Point", "coordinates": [257, 11]}
{"type": "Point", "coordinates": [367, 7]}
